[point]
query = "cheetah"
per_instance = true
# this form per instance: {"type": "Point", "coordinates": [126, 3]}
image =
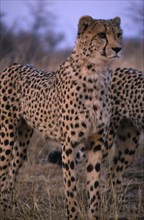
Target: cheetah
{"type": "Point", "coordinates": [70, 106]}
{"type": "Point", "coordinates": [127, 117]}
{"type": "Point", "coordinates": [126, 123]}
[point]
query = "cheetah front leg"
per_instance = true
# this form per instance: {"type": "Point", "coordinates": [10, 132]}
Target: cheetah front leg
{"type": "Point", "coordinates": [93, 164]}
{"type": "Point", "coordinates": [109, 139]}
{"type": "Point", "coordinates": [69, 175]}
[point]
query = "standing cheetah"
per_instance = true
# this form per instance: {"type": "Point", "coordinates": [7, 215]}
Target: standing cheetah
{"type": "Point", "coordinates": [70, 106]}
{"type": "Point", "coordinates": [127, 119]}
{"type": "Point", "coordinates": [126, 123]}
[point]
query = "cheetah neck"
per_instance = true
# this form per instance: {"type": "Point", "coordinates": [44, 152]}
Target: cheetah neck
{"type": "Point", "coordinates": [97, 79]}
{"type": "Point", "coordinates": [80, 66]}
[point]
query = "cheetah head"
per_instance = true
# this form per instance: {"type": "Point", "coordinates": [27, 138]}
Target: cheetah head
{"type": "Point", "coordinates": [99, 39]}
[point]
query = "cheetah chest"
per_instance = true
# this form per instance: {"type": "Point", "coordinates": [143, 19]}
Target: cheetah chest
{"type": "Point", "coordinates": [84, 107]}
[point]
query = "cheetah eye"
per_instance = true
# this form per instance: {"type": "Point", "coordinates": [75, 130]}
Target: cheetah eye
{"type": "Point", "coordinates": [119, 35]}
{"type": "Point", "coordinates": [102, 35]}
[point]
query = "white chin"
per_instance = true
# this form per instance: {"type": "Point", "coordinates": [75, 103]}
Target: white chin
{"type": "Point", "coordinates": [113, 57]}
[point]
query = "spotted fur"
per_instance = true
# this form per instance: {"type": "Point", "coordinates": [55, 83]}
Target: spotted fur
{"type": "Point", "coordinates": [126, 122]}
{"type": "Point", "coordinates": [126, 125]}
{"type": "Point", "coordinates": [127, 119]}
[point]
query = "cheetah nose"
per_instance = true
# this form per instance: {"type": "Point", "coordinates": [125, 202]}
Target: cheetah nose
{"type": "Point", "coordinates": [116, 49]}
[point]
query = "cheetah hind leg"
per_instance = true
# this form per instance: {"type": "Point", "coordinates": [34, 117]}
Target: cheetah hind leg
{"type": "Point", "coordinates": [126, 143]}
{"type": "Point", "coordinates": [7, 139]}
{"type": "Point", "coordinates": [24, 134]}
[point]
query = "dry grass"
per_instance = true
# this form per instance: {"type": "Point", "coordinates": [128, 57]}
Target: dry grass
{"type": "Point", "coordinates": [40, 190]}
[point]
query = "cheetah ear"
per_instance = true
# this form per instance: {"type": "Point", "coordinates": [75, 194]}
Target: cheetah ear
{"type": "Point", "coordinates": [117, 20]}
{"type": "Point", "coordinates": [84, 23]}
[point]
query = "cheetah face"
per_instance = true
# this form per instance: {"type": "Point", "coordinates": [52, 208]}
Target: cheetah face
{"type": "Point", "coordinates": [99, 38]}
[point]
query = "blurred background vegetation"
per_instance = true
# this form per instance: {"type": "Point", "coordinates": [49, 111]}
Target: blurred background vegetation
{"type": "Point", "coordinates": [39, 43]}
